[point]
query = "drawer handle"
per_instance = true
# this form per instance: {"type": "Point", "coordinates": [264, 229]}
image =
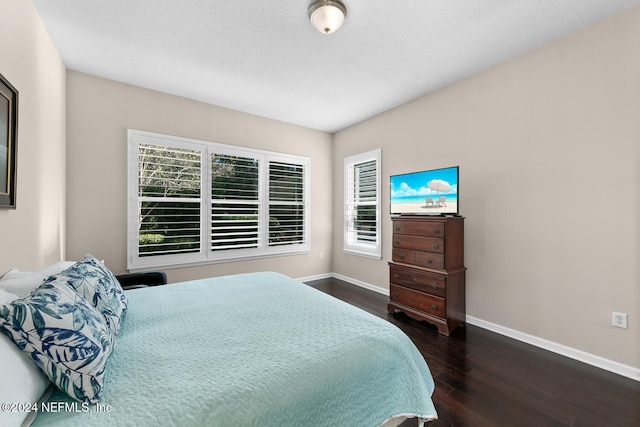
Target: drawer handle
{"type": "Point", "coordinates": [429, 261]}
{"type": "Point", "coordinates": [397, 242]}
{"type": "Point", "coordinates": [402, 256]}
{"type": "Point", "coordinates": [433, 306]}
{"type": "Point", "coordinates": [436, 246]}
{"type": "Point", "coordinates": [396, 276]}
{"type": "Point", "coordinates": [395, 295]}
{"type": "Point", "coordinates": [434, 286]}
{"type": "Point", "coordinates": [397, 228]}
{"type": "Point", "coordinates": [436, 231]}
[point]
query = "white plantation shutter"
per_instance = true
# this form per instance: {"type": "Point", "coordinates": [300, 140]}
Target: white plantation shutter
{"type": "Point", "coordinates": [235, 202]}
{"type": "Point", "coordinates": [239, 203]}
{"type": "Point", "coordinates": [362, 204]}
{"type": "Point", "coordinates": [169, 183]}
{"type": "Point", "coordinates": [286, 204]}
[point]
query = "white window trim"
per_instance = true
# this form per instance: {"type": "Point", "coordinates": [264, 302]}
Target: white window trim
{"type": "Point", "coordinates": [205, 255]}
{"type": "Point", "coordinates": [366, 250]}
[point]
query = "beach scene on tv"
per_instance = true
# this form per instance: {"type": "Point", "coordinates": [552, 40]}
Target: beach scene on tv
{"type": "Point", "coordinates": [433, 192]}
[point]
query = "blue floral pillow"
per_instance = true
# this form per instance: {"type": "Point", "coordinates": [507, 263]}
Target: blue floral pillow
{"type": "Point", "coordinates": [64, 335]}
{"type": "Point", "coordinates": [91, 279]}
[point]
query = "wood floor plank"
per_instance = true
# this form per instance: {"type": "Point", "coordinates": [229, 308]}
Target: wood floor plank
{"type": "Point", "coordinates": [486, 379]}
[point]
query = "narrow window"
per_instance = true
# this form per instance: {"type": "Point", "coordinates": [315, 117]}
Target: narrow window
{"type": "Point", "coordinates": [362, 204]}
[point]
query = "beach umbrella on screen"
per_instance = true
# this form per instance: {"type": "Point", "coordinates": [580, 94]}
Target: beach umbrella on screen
{"type": "Point", "coordinates": [439, 186]}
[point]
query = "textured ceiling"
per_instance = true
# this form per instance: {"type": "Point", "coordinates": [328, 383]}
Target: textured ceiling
{"type": "Point", "coordinates": [265, 58]}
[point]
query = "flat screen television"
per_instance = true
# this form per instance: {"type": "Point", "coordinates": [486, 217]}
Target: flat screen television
{"type": "Point", "coordinates": [429, 192]}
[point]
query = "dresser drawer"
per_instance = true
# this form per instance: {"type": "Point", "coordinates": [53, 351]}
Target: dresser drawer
{"type": "Point", "coordinates": [429, 260]}
{"type": "Point", "coordinates": [403, 255]}
{"type": "Point", "coordinates": [431, 244]}
{"type": "Point", "coordinates": [420, 228]}
{"type": "Point", "coordinates": [414, 299]}
{"type": "Point", "coordinates": [424, 282]}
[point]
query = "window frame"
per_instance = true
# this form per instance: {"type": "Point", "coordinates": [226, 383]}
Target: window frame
{"type": "Point", "coordinates": [350, 241]}
{"type": "Point", "coordinates": [206, 255]}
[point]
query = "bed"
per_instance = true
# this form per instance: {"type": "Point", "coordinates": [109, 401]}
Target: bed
{"type": "Point", "coordinates": [257, 349]}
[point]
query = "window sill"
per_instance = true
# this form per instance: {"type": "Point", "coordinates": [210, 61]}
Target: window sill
{"type": "Point", "coordinates": [362, 254]}
{"type": "Point", "coordinates": [186, 264]}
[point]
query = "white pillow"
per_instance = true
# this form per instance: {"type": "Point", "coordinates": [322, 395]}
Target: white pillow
{"type": "Point", "coordinates": [55, 268]}
{"type": "Point", "coordinates": [22, 380]}
{"type": "Point", "coordinates": [21, 283]}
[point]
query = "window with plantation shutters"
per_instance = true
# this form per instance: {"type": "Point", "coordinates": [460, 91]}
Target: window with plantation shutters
{"type": "Point", "coordinates": [169, 212]}
{"type": "Point", "coordinates": [286, 203]}
{"type": "Point", "coordinates": [235, 202]}
{"type": "Point", "coordinates": [193, 202]}
{"type": "Point", "coordinates": [362, 204]}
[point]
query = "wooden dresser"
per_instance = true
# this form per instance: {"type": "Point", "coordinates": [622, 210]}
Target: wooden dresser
{"type": "Point", "coordinates": [427, 272]}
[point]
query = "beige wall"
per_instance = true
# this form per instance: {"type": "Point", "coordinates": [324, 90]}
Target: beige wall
{"type": "Point", "coordinates": [33, 235]}
{"type": "Point", "coordinates": [549, 151]}
{"type": "Point", "coordinates": [99, 112]}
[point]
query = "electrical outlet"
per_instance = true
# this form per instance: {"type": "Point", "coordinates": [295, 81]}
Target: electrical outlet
{"type": "Point", "coordinates": [619, 320]}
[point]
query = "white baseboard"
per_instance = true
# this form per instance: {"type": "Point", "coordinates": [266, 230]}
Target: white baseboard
{"type": "Point", "coordinates": [316, 277]}
{"type": "Point", "coordinates": [572, 353]}
{"type": "Point", "coordinates": [361, 284]}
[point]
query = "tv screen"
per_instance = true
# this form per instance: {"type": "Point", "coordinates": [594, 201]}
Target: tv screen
{"type": "Point", "coordinates": [430, 192]}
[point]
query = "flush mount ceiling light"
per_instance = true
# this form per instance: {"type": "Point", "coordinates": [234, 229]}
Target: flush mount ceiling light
{"type": "Point", "coordinates": [327, 15]}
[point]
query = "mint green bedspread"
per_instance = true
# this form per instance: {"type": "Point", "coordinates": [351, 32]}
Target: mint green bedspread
{"type": "Point", "coordinates": [257, 349]}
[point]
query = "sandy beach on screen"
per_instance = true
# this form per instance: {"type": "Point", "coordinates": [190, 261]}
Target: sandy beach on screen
{"type": "Point", "coordinates": [416, 208]}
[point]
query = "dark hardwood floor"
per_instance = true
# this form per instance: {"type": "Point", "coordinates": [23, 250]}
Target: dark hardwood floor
{"type": "Point", "coordinates": [485, 379]}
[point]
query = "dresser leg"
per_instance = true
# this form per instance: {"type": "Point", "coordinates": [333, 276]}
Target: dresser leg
{"type": "Point", "coordinates": [443, 329]}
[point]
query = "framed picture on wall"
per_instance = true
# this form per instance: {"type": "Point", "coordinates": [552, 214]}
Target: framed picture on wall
{"type": "Point", "coordinates": [8, 140]}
